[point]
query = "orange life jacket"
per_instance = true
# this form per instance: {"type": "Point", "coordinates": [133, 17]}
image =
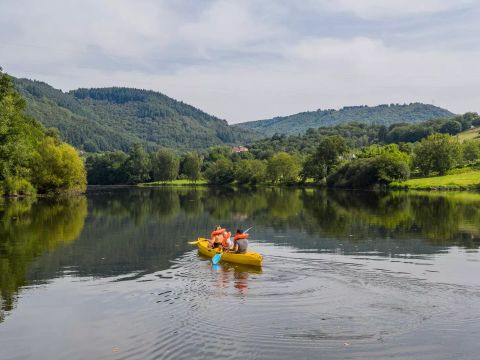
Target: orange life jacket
{"type": "Point", "coordinates": [225, 238]}
{"type": "Point", "coordinates": [217, 232]}
{"type": "Point", "coordinates": [240, 236]}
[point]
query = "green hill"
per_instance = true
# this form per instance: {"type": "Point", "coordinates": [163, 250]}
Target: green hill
{"type": "Point", "coordinates": [115, 118]}
{"type": "Point", "coordinates": [379, 115]}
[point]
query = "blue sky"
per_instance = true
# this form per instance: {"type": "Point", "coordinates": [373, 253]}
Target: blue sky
{"type": "Point", "coordinates": [248, 60]}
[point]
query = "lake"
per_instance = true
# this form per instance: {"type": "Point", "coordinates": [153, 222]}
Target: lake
{"type": "Point", "coordinates": [346, 275]}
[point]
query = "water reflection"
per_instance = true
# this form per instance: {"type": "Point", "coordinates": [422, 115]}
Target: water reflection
{"type": "Point", "coordinates": [131, 232]}
{"type": "Point", "coordinates": [28, 229]}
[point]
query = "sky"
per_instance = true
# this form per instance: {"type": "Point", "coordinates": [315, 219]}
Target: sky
{"type": "Point", "coordinates": [249, 60]}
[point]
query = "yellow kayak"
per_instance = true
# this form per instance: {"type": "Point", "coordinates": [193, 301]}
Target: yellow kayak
{"type": "Point", "coordinates": [249, 258]}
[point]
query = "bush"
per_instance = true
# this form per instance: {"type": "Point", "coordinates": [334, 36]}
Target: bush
{"type": "Point", "coordinates": [17, 187]}
{"type": "Point", "coordinates": [437, 153]}
{"type": "Point", "coordinates": [250, 172]}
{"type": "Point", "coordinates": [368, 172]}
{"type": "Point", "coordinates": [220, 172]}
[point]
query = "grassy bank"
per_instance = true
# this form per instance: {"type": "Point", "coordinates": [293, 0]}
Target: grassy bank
{"type": "Point", "coordinates": [176, 183]}
{"type": "Point", "coordinates": [468, 180]}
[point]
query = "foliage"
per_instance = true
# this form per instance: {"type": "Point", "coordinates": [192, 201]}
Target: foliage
{"type": "Point", "coordinates": [437, 153]}
{"type": "Point", "coordinates": [283, 168]}
{"type": "Point", "coordinates": [451, 127]}
{"type": "Point", "coordinates": [31, 158]}
{"type": "Point", "coordinates": [328, 155]}
{"type": "Point", "coordinates": [106, 168]}
{"type": "Point", "coordinates": [250, 172]}
{"type": "Point", "coordinates": [165, 165]}
{"type": "Point", "coordinates": [137, 167]}
{"type": "Point", "coordinates": [191, 165]}
{"type": "Point", "coordinates": [380, 115]}
{"type": "Point", "coordinates": [220, 172]}
{"type": "Point", "coordinates": [116, 118]}
{"type": "Point", "coordinates": [471, 150]}
{"type": "Point", "coordinates": [366, 172]}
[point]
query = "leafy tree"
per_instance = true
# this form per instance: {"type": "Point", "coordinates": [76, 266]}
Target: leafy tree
{"type": "Point", "coordinates": [451, 127]}
{"type": "Point", "coordinates": [107, 168]}
{"type": "Point", "coordinates": [250, 172]}
{"type": "Point", "coordinates": [283, 168]}
{"type": "Point", "coordinates": [367, 172]}
{"type": "Point", "coordinates": [58, 166]}
{"type": "Point", "coordinates": [220, 172]}
{"type": "Point", "coordinates": [191, 165]}
{"type": "Point", "coordinates": [437, 153]}
{"type": "Point", "coordinates": [326, 158]}
{"type": "Point", "coordinates": [165, 165]}
{"type": "Point", "coordinates": [32, 159]}
{"type": "Point", "coordinates": [137, 167]}
{"type": "Point", "coordinates": [471, 150]}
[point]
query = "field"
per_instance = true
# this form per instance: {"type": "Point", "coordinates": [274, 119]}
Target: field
{"type": "Point", "coordinates": [469, 180]}
{"type": "Point", "coordinates": [472, 134]}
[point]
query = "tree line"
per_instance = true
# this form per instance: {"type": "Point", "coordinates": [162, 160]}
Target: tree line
{"type": "Point", "coordinates": [333, 162]}
{"type": "Point", "coordinates": [33, 159]}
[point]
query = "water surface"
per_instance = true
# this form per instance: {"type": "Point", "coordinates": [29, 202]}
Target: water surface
{"type": "Point", "coordinates": [347, 275]}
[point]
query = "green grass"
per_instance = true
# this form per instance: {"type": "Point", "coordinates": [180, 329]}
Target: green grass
{"type": "Point", "coordinates": [176, 183]}
{"type": "Point", "coordinates": [469, 180]}
{"type": "Point", "coordinates": [471, 134]}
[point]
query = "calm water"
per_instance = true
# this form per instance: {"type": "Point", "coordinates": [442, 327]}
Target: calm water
{"type": "Point", "coordinates": [346, 275]}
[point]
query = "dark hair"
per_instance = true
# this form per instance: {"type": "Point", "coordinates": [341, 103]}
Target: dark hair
{"type": "Point", "coordinates": [239, 231]}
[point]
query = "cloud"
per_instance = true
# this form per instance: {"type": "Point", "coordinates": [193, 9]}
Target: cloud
{"type": "Point", "coordinates": [374, 9]}
{"type": "Point", "coordinates": [245, 60]}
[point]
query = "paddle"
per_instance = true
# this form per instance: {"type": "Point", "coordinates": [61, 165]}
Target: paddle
{"type": "Point", "coordinates": [217, 257]}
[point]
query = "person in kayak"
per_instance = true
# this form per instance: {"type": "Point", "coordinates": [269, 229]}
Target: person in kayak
{"type": "Point", "coordinates": [219, 237]}
{"type": "Point", "coordinates": [240, 242]}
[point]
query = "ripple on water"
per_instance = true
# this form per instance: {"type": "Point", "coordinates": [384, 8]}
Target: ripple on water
{"type": "Point", "coordinates": [294, 302]}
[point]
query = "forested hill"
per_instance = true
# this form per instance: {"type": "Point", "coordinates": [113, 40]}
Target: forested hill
{"type": "Point", "coordinates": [380, 115]}
{"type": "Point", "coordinates": [115, 118]}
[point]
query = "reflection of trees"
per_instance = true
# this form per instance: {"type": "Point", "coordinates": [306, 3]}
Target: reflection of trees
{"type": "Point", "coordinates": [28, 229]}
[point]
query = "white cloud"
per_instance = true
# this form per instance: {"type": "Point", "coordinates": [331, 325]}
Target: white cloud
{"type": "Point", "coordinates": [245, 60]}
{"type": "Point", "coordinates": [372, 9]}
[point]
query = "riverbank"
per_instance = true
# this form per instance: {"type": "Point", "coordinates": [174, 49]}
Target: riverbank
{"type": "Point", "coordinates": [468, 180]}
{"type": "Point", "coordinates": [182, 182]}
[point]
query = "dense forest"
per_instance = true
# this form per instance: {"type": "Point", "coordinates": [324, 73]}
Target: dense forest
{"type": "Point", "coordinates": [379, 115]}
{"type": "Point", "coordinates": [350, 156]}
{"type": "Point", "coordinates": [33, 159]}
{"type": "Point", "coordinates": [109, 119]}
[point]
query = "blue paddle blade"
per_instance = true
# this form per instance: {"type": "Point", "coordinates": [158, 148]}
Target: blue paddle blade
{"type": "Point", "coordinates": [216, 258]}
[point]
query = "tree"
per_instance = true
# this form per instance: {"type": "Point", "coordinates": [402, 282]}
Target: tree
{"type": "Point", "coordinates": [165, 165]}
{"type": "Point", "coordinates": [437, 153]}
{"type": "Point", "coordinates": [191, 165]}
{"type": "Point", "coordinates": [58, 167]}
{"type": "Point", "coordinates": [220, 172]}
{"type": "Point", "coordinates": [471, 150]}
{"type": "Point", "coordinates": [367, 172]}
{"type": "Point", "coordinates": [137, 167]}
{"type": "Point", "coordinates": [326, 157]}
{"type": "Point", "coordinates": [250, 172]}
{"type": "Point", "coordinates": [31, 158]}
{"type": "Point", "coordinates": [451, 127]}
{"type": "Point", "coordinates": [283, 168]}
{"type": "Point", "coordinates": [107, 168]}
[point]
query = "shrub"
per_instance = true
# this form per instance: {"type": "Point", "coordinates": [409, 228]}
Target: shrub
{"type": "Point", "coordinates": [368, 172]}
{"type": "Point", "coordinates": [17, 187]}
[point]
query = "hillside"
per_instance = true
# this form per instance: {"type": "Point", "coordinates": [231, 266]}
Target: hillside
{"type": "Point", "coordinates": [380, 115]}
{"type": "Point", "coordinates": [470, 134]}
{"type": "Point", "coordinates": [115, 118]}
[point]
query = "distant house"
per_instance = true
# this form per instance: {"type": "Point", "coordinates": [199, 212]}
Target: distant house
{"type": "Point", "coordinates": [239, 149]}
